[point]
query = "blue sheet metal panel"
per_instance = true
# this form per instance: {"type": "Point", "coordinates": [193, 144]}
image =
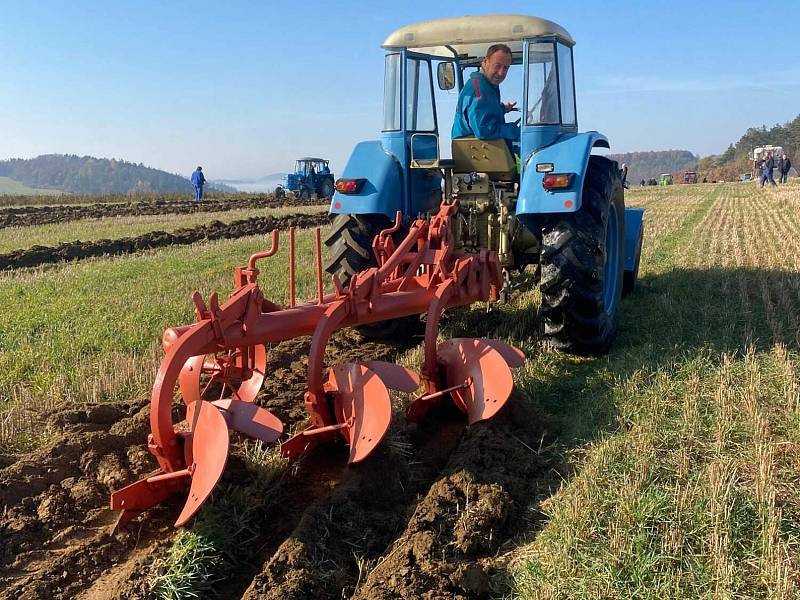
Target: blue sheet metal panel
{"type": "Point", "coordinates": [425, 184]}
{"type": "Point", "coordinates": [634, 229]}
{"type": "Point", "coordinates": [427, 192]}
{"type": "Point", "coordinates": [535, 137]}
{"type": "Point", "coordinates": [569, 154]}
{"type": "Point", "coordinates": [395, 143]}
{"type": "Point", "coordinates": [381, 193]}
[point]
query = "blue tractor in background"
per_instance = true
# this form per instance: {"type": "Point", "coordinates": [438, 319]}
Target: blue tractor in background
{"type": "Point", "coordinates": [557, 208]}
{"type": "Point", "coordinates": [311, 176]}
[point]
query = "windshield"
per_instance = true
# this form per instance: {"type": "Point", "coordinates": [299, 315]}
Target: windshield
{"type": "Point", "coordinates": [419, 109]}
{"type": "Point", "coordinates": [542, 92]}
{"type": "Point", "coordinates": [551, 86]}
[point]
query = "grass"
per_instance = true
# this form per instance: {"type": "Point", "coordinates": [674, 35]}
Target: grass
{"type": "Point", "coordinates": [198, 557]}
{"type": "Point", "coordinates": [10, 187]}
{"type": "Point", "coordinates": [90, 331]}
{"type": "Point", "coordinates": [15, 238]}
{"type": "Point", "coordinates": [682, 442]}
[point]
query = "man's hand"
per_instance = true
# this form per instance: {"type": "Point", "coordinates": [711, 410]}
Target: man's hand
{"type": "Point", "coordinates": [510, 106]}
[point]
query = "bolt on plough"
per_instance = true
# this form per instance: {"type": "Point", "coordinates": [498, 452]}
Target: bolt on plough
{"type": "Point", "coordinates": [219, 363]}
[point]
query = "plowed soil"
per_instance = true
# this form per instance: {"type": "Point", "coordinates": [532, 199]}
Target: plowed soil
{"type": "Point", "coordinates": [26, 216]}
{"type": "Point", "coordinates": [425, 516]}
{"type": "Point", "coordinates": [216, 230]}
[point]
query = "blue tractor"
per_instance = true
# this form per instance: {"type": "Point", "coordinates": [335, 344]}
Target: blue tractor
{"type": "Point", "coordinates": [311, 176]}
{"type": "Point", "coordinates": [557, 207]}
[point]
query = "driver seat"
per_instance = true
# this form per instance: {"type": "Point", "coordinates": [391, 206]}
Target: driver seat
{"type": "Point", "coordinates": [484, 156]}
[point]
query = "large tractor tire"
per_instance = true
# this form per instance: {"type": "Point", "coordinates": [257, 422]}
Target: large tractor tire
{"type": "Point", "coordinates": [350, 244]}
{"type": "Point", "coordinates": [305, 193]}
{"type": "Point", "coordinates": [582, 265]}
{"type": "Point", "coordinates": [350, 251]}
{"type": "Point", "coordinates": [279, 192]}
{"type": "Point", "coordinates": [326, 189]}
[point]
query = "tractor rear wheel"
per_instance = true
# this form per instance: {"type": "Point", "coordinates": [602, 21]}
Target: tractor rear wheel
{"type": "Point", "coordinates": [326, 189]}
{"type": "Point", "coordinates": [350, 244]}
{"type": "Point", "coordinates": [305, 193]}
{"type": "Point", "coordinates": [582, 266]}
{"type": "Point", "coordinates": [350, 251]}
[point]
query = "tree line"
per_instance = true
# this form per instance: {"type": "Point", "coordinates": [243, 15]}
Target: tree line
{"type": "Point", "coordinates": [90, 175]}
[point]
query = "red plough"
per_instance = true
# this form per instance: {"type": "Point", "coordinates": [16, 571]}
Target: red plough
{"type": "Point", "coordinates": [219, 363]}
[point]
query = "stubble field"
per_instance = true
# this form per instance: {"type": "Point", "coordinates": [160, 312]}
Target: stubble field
{"type": "Point", "coordinates": [667, 469]}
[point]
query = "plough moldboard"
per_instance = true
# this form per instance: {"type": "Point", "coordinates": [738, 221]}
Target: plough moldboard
{"type": "Point", "coordinates": [219, 363]}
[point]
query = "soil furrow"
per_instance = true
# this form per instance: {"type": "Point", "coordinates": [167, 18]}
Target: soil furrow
{"type": "Point", "coordinates": [27, 216]}
{"type": "Point", "coordinates": [216, 230]}
{"type": "Point", "coordinates": [55, 525]}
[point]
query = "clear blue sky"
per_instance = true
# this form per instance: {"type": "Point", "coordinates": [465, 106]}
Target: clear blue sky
{"type": "Point", "coordinates": [244, 88]}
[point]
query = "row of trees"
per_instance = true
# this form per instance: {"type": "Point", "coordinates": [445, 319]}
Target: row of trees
{"type": "Point", "coordinates": [89, 175]}
{"type": "Point", "coordinates": [737, 158]}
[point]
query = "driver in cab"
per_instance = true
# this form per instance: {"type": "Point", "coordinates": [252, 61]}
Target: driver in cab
{"type": "Point", "coordinates": [480, 112]}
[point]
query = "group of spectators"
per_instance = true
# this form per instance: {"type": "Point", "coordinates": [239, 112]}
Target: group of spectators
{"type": "Point", "coordinates": [766, 165]}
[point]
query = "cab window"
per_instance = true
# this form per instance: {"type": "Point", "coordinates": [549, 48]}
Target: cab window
{"type": "Point", "coordinates": [420, 96]}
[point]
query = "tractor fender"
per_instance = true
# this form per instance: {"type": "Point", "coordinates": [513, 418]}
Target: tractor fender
{"type": "Point", "coordinates": [382, 190]}
{"type": "Point", "coordinates": [569, 154]}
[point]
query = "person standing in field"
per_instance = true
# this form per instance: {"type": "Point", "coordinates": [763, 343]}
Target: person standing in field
{"type": "Point", "coordinates": [784, 166]}
{"type": "Point", "coordinates": [198, 180]}
{"type": "Point", "coordinates": [767, 165]}
{"type": "Point", "coordinates": [623, 173]}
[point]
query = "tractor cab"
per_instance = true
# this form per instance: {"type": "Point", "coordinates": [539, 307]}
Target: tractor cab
{"type": "Point", "coordinates": [425, 67]}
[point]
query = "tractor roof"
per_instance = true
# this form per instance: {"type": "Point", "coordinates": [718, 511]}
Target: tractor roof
{"type": "Point", "coordinates": [312, 159]}
{"type": "Point", "coordinates": [470, 36]}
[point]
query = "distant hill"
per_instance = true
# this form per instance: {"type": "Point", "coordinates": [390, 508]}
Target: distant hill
{"type": "Point", "coordinates": [89, 175]}
{"type": "Point", "coordinates": [644, 165]}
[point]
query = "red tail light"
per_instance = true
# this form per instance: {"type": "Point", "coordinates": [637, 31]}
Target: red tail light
{"type": "Point", "coordinates": [349, 186]}
{"type": "Point", "coordinates": [557, 181]}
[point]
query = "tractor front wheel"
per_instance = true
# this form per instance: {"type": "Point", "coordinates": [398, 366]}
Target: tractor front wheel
{"type": "Point", "coordinates": [279, 192]}
{"type": "Point", "coordinates": [582, 266]}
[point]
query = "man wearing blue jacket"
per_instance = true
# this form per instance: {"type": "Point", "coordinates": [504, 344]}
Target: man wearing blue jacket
{"type": "Point", "coordinates": [198, 180]}
{"type": "Point", "coordinates": [480, 112]}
